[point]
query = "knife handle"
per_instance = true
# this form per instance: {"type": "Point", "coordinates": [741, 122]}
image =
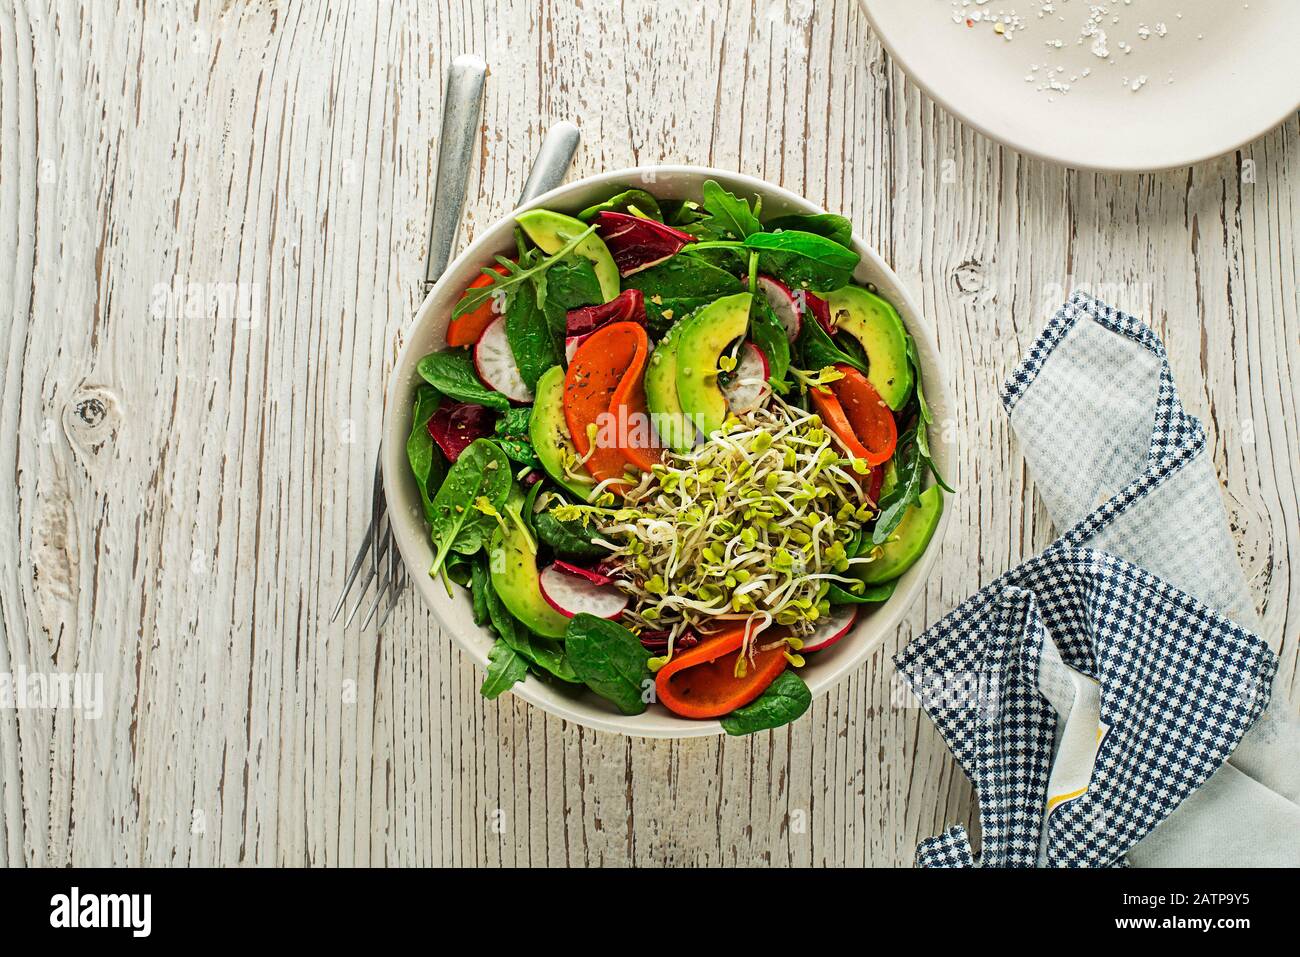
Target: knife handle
{"type": "Point", "coordinates": [462, 112]}
{"type": "Point", "coordinates": [552, 161]}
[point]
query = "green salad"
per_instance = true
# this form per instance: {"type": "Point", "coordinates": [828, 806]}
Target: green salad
{"type": "Point", "coordinates": [672, 450]}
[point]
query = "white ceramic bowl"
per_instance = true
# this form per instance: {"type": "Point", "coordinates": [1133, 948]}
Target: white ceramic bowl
{"type": "Point", "coordinates": [428, 333]}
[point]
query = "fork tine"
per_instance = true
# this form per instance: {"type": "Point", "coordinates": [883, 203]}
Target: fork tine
{"type": "Point", "coordinates": [399, 577]}
{"type": "Point", "coordinates": [361, 598]}
{"type": "Point", "coordinates": [352, 576]}
{"type": "Point", "coordinates": [397, 596]}
{"type": "Point", "coordinates": [378, 509]}
{"type": "Point", "coordinates": [385, 585]}
{"type": "Point", "coordinates": [371, 575]}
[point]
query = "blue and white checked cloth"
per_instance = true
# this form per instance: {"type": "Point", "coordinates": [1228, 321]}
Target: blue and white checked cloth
{"type": "Point", "coordinates": [1095, 693]}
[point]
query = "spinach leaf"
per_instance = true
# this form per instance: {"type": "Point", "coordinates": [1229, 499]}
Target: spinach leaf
{"type": "Point", "coordinates": [568, 285]}
{"type": "Point", "coordinates": [622, 203]}
{"type": "Point", "coordinates": [910, 467]}
{"type": "Point", "coordinates": [660, 316]}
{"type": "Point", "coordinates": [682, 213]}
{"type": "Point", "coordinates": [529, 334]}
{"type": "Point", "coordinates": [768, 334]}
{"type": "Point", "coordinates": [817, 350]}
{"type": "Point", "coordinates": [804, 260]}
{"type": "Point", "coordinates": [481, 471]}
{"type": "Point", "coordinates": [609, 659]}
{"type": "Point", "coordinates": [785, 699]}
{"type": "Point", "coordinates": [684, 277]}
{"type": "Point", "coordinates": [452, 373]}
{"type": "Point", "coordinates": [729, 215]}
{"type": "Point", "coordinates": [870, 595]}
{"type": "Point", "coordinates": [505, 669]}
{"type": "Point", "coordinates": [479, 587]}
{"type": "Point", "coordinates": [426, 461]}
{"type": "Point", "coordinates": [568, 539]}
{"type": "Point", "coordinates": [835, 228]}
{"type": "Point", "coordinates": [459, 569]}
{"type": "Point", "coordinates": [511, 433]}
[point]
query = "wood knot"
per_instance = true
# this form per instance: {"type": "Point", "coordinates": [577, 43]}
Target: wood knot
{"type": "Point", "coordinates": [969, 277]}
{"type": "Point", "coordinates": [91, 411]}
{"type": "Point", "coordinates": [91, 419]}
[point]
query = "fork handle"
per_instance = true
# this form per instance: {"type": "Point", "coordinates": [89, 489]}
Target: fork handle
{"type": "Point", "coordinates": [552, 161]}
{"type": "Point", "coordinates": [461, 114]}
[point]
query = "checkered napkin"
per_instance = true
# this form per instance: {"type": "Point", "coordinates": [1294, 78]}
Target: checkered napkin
{"type": "Point", "coordinates": [1091, 691]}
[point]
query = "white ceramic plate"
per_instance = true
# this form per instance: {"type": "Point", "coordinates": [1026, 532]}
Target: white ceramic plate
{"type": "Point", "coordinates": [1218, 73]}
{"type": "Point", "coordinates": [428, 333]}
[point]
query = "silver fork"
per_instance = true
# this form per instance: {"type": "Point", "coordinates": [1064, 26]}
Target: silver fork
{"type": "Point", "coordinates": [547, 172]}
{"type": "Point", "coordinates": [462, 110]}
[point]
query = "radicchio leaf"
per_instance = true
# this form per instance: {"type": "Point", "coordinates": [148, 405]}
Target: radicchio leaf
{"type": "Point", "coordinates": [637, 243]}
{"type": "Point", "coordinates": [456, 424]}
{"type": "Point", "coordinates": [627, 306]}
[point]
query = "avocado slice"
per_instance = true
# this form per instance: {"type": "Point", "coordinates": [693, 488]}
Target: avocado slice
{"type": "Point", "coordinates": [700, 343]}
{"type": "Point", "coordinates": [877, 326]}
{"type": "Point", "coordinates": [550, 231]}
{"type": "Point", "coordinates": [909, 540]}
{"type": "Point", "coordinates": [513, 572]}
{"type": "Point", "coordinates": [674, 429]}
{"type": "Point", "coordinates": [549, 432]}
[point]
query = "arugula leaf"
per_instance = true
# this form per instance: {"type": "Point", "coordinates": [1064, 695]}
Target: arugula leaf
{"type": "Point", "coordinates": [785, 699]}
{"type": "Point", "coordinates": [683, 277]}
{"type": "Point", "coordinates": [505, 669]}
{"type": "Point", "coordinates": [729, 215]}
{"type": "Point", "coordinates": [870, 595]}
{"type": "Point", "coordinates": [768, 334]}
{"type": "Point", "coordinates": [452, 373]}
{"type": "Point", "coordinates": [426, 462]}
{"type": "Point", "coordinates": [817, 350]}
{"type": "Point", "coordinates": [910, 467]}
{"type": "Point", "coordinates": [609, 659]}
{"type": "Point", "coordinates": [926, 416]}
{"type": "Point", "coordinates": [833, 227]}
{"type": "Point", "coordinates": [481, 471]}
{"type": "Point", "coordinates": [622, 203]}
{"type": "Point", "coordinates": [516, 273]}
{"type": "Point", "coordinates": [529, 335]}
{"type": "Point", "coordinates": [804, 260]}
{"type": "Point", "coordinates": [568, 539]}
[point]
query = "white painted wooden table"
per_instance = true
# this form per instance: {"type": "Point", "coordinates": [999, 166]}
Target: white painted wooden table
{"type": "Point", "coordinates": [184, 482]}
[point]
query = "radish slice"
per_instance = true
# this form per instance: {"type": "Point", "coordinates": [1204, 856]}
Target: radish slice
{"type": "Point", "coordinates": [496, 363]}
{"type": "Point", "coordinates": [747, 386]}
{"type": "Point", "coordinates": [784, 303]}
{"type": "Point", "coordinates": [831, 628]}
{"type": "Point", "coordinates": [571, 347]}
{"type": "Point", "coordinates": [571, 594]}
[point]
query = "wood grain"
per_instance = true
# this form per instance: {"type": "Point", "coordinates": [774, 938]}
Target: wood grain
{"type": "Point", "coordinates": [185, 485]}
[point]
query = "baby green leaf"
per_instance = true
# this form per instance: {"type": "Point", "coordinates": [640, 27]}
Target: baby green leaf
{"type": "Point", "coordinates": [482, 470]}
{"type": "Point", "coordinates": [785, 699]}
{"type": "Point", "coordinates": [506, 668]}
{"type": "Point", "coordinates": [452, 373]}
{"type": "Point", "coordinates": [609, 659]}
